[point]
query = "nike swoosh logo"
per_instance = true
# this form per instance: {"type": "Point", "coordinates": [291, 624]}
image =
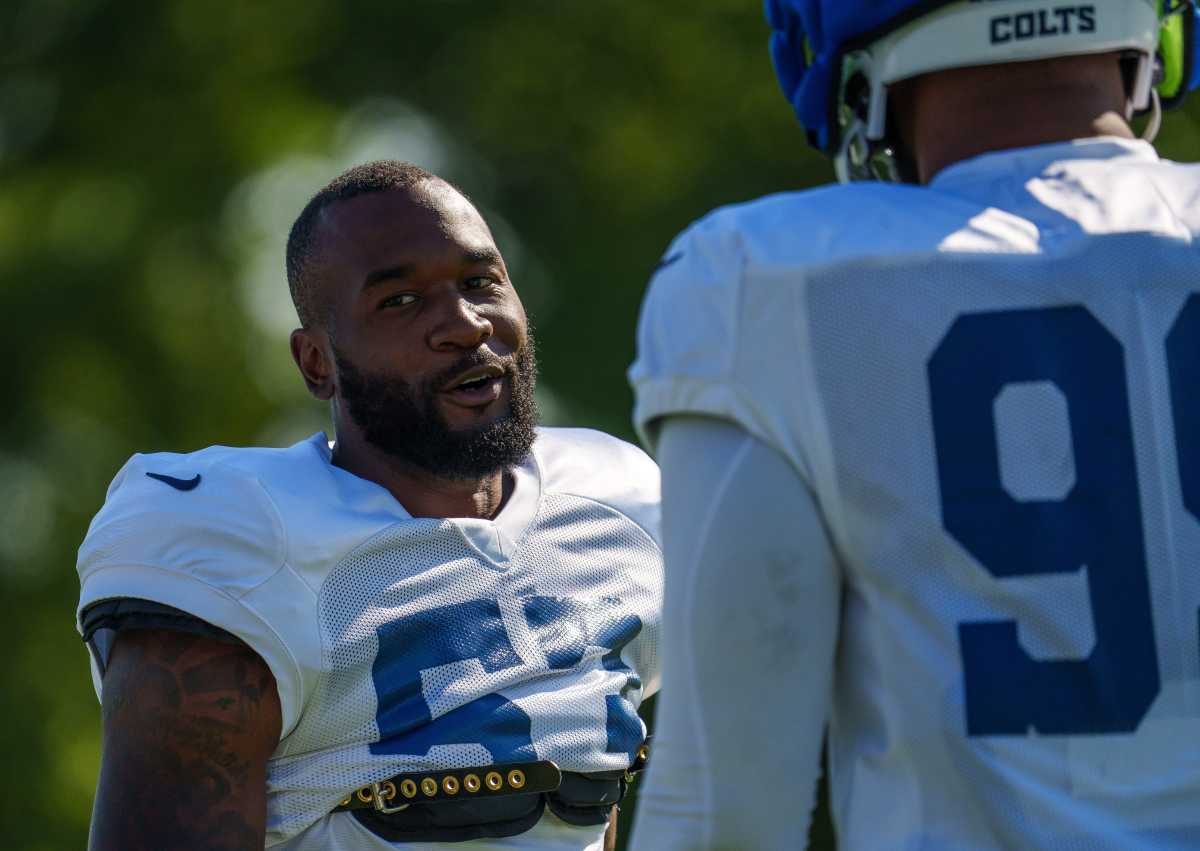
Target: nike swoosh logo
{"type": "Point", "coordinates": [178, 484]}
{"type": "Point", "coordinates": [667, 261]}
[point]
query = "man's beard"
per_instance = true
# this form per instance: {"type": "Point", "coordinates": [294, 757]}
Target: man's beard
{"type": "Point", "coordinates": [402, 419]}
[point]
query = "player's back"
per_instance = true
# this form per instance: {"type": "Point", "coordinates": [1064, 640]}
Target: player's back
{"type": "Point", "coordinates": [990, 386]}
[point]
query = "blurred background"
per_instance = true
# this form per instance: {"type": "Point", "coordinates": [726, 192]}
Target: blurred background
{"type": "Point", "coordinates": [152, 158]}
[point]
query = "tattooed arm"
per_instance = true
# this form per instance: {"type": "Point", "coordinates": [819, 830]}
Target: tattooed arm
{"type": "Point", "coordinates": [189, 723]}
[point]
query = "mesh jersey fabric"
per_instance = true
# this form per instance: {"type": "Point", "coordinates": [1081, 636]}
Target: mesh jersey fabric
{"type": "Point", "coordinates": [403, 644]}
{"type": "Point", "coordinates": [987, 385]}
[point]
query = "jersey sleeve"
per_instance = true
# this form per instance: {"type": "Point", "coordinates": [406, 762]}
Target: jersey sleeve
{"type": "Point", "coordinates": [687, 332]}
{"type": "Point", "coordinates": [208, 550]}
{"type": "Point", "coordinates": [604, 468]}
{"type": "Point", "coordinates": [723, 334]}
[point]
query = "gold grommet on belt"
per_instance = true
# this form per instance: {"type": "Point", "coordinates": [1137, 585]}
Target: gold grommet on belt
{"type": "Point", "coordinates": [494, 781]}
{"type": "Point", "coordinates": [471, 782]}
{"type": "Point", "coordinates": [388, 790]}
{"type": "Point", "coordinates": [408, 788]}
{"type": "Point", "coordinates": [345, 802]}
{"type": "Point", "coordinates": [516, 778]}
{"type": "Point", "coordinates": [429, 786]}
{"type": "Point", "coordinates": [450, 784]}
{"type": "Point", "coordinates": [364, 795]}
{"type": "Point", "coordinates": [643, 753]}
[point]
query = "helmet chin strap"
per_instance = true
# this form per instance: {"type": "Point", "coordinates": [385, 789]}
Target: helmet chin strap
{"type": "Point", "coordinates": [1143, 90]}
{"type": "Point", "coordinates": [1156, 116]}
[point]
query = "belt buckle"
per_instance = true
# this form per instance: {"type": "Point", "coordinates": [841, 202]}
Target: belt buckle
{"type": "Point", "coordinates": [383, 791]}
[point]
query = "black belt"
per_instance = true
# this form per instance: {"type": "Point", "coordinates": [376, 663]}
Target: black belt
{"type": "Point", "coordinates": [430, 787]}
{"type": "Point", "coordinates": [486, 802]}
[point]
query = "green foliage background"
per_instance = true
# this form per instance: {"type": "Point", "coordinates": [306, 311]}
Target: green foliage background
{"type": "Point", "coordinates": [152, 156]}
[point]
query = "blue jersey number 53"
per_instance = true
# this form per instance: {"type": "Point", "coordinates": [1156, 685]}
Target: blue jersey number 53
{"type": "Point", "coordinates": [1097, 524]}
{"type": "Point", "coordinates": [565, 629]}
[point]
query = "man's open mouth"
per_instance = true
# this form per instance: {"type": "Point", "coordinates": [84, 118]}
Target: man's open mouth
{"type": "Point", "coordinates": [475, 383]}
{"type": "Point", "coordinates": [477, 387]}
{"type": "Point", "coordinates": [474, 378]}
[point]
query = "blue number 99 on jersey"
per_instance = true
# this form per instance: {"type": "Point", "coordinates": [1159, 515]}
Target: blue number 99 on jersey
{"type": "Point", "coordinates": [1098, 524]}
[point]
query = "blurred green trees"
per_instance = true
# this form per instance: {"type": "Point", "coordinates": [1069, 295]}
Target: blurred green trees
{"type": "Point", "coordinates": [152, 156]}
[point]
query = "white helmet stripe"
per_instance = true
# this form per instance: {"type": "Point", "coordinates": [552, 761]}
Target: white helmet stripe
{"type": "Point", "coordinates": [988, 33]}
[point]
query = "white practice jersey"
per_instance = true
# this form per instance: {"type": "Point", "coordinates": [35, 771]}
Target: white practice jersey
{"type": "Point", "coordinates": [992, 387]}
{"type": "Point", "coordinates": [402, 644]}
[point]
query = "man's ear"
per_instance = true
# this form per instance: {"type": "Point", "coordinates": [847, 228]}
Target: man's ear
{"type": "Point", "coordinates": [311, 353]}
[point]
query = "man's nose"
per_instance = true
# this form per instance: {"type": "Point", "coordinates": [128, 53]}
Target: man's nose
{"type": "Point", "coordinates": [461, 326]}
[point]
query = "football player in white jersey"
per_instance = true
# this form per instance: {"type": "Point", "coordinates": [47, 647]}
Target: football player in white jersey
{"type": "Point", "coordinates": [436, 629]}
{"type": "Point", "coordinates": [931, 447]}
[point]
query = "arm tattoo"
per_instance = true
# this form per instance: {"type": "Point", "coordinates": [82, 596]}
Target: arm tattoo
{"type": "Point", "coordinates": [189, 723]}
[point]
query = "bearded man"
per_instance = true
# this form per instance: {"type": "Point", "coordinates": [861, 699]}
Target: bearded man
{"type": "Point", "coordinates": [435, 628]}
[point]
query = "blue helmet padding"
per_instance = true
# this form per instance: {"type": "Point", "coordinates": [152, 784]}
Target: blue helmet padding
{"type": "Point", "coordinates": [827, 26]}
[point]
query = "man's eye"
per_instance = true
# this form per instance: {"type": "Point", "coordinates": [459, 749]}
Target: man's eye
{"type": "Point", "coordinates": [478, 282]}
{"type": "Point", "coordinates": [398, 300]}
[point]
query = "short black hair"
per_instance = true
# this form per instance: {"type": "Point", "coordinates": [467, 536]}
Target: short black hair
{"type": "Point", "coordinates": [380, 176]}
